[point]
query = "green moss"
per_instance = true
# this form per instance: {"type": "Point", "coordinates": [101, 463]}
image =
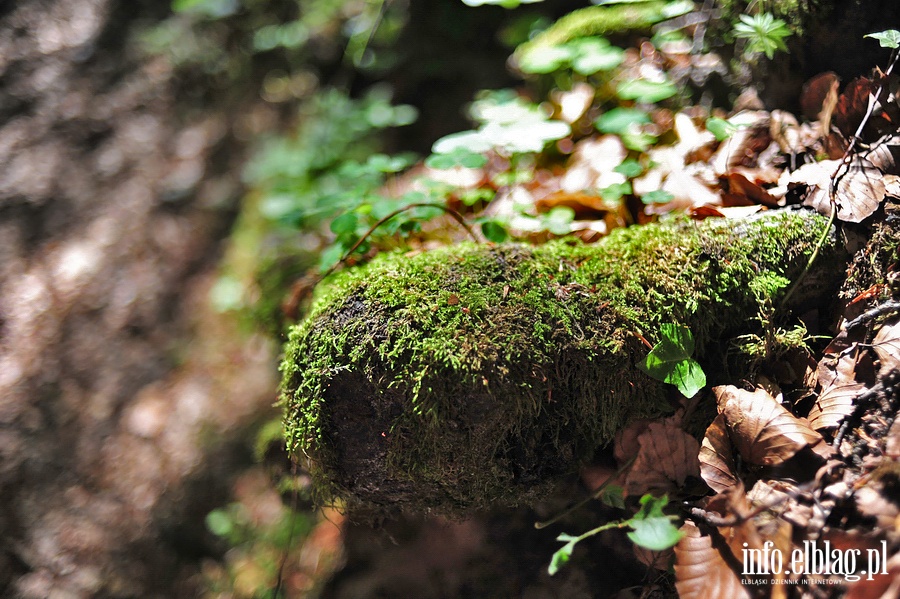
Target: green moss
{"type": "Point", "coordinates": [599, 21]}
{"type": "Point", "coordinates": [474, 374]}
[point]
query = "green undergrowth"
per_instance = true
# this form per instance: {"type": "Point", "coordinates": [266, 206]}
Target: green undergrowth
{"type": "Point", "coordinates": [476, 374]}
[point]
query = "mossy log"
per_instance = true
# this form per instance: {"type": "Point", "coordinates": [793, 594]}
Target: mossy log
{"type": "Point", "coordinates": [481, 374]}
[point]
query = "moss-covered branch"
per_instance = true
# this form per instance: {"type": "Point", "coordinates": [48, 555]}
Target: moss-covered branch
{"type": "Point", "coordinates": [477, 374]}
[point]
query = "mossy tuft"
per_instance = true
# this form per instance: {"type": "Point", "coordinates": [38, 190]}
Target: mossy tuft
{"type": "Point", "coordinates": [473, 375]}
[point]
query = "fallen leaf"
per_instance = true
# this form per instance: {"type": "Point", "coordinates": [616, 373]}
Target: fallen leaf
{"type": "Point", "coordinates": [764, 432]}
{"type": "Point", "coordinates": [834, 404]}
{"type": "Point", "coordinates": [585, 206]}
{"type": "Point", "coordinates": [887, 345]}
{"type": "Point", "coordinates": [700, 570]}
{"type": "Point", "coordinates": [741, 191]}
{"type": "Point", "coordinates": [819, 99]}
{"type": "Point", "coordinates": [716, 459]}
{"type": "Point", "coordinates": [860, 188]}
{"type": "Point", "coordinates": [666, 457]}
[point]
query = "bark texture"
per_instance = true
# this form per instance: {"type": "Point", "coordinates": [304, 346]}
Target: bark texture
{"type": "Point", "coordinates": [111, 205]}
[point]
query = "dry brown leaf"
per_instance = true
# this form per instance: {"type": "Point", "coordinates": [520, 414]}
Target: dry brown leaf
{"type": "Point", "coordinates": [592, 162]}
{"type": "Point", "coordinates": [819, 99]}
{"type": "Point", "coordinates": [838, 366]}
{"type": "Point", "coordinates": [716, 459]}
{"type": "Point", "coordinates": [764, 432]}
{"type": "Point", "coordinates": [742, 191]}
{"type": "Point", "coordinates": [585, 206]}
{"type": "Point", "coordinates": [833, 405]}
{"type": "Point", "coordinates": [626, 444]}
{"type": "Point", "coordinates": [885, 156]}
{"type": "Point", "coordinates": [700, 570]}
{"type": "Point", "coordinates": [744, 146]}
{"type": "Point", "coordinates": [860, 188]}
{"type": "Point", "coordinates": [887, 345]}
{"type": "Point", "coordinates": [666, 457]}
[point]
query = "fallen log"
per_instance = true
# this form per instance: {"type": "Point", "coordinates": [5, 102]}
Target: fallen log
{"type": "Point", "coordinates": [482, 374]}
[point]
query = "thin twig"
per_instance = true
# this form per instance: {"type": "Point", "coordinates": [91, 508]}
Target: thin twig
{"type": "Point", "coordinates": [456, 216]}
{"type": "Point", "coordinates": [591, 497]}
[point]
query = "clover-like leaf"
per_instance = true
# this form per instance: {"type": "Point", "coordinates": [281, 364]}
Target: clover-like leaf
{"type": "Point", "coordinates": [670, 360]}
{"type": "Point", "coordinates": [652, 528]}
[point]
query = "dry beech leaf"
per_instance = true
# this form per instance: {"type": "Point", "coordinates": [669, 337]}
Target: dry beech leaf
{"type": "Point", "coordinates": [819, 98]}
{"type": "Point", "coordinates": [860, 187]}
{"type": "Point", "coordinates": [887, 345]}
{"type": "Point", "coordinates": [700, 570]}
{"type": "Point", "coordinates": [742, 191]}
{"type": "Point", "coordinates": [716, 459]}
{"type": "Point", "coordinates": [626, 444]}
{"type": "Point", "coordinates": [666, 457]}
{"type": "Point", "coordinates": [764, 433]}
{"type": "Point", "coordinates": [585, 206]}
{"type": "Point", "coordinates": [833, 405]}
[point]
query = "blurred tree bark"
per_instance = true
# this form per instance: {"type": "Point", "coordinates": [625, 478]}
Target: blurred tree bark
{"type": "Point", "coordinates": [112, 204]}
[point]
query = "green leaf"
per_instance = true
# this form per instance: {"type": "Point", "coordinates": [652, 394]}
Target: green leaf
{"type": "Point", "coordinates": [459, 156]}
{"type": "Point", "coordinates": [658, 196]}
{"type": "Point", "coordinates": [614, 192]}
{"type": "Point", "coordinates": [630, 168]}
{"type": "Point", "coordinates": [670, 360]}
{"type": "Point", "coordinates": [763, 32]}
{"type": "Point", "coordinates": [653, 529]}
{"type": "Point", "coordinates": [219, 523]}
{"type": "Point", "coordinates": [888, 39]}
{"type": "Point", "coordinates": [720, 128]}
{"type": "Point", "coordinates": [642, 90]}
{"type": "Point", "coordinates": [613, 496]}
{"type": "Point", "coordinates": [345, 223]}
{"type": "Point", "coordinates": [557, 221]}
{"type": "Point", "coordinates": [591, 55]}
{"type": "Point", "coordinates": [620, 120]}
{"type": "Point", "coordinates": [562, 554]}
{"type": "Point", "coordinates": [494, 231]}
{"type": "Point", "coordinates": [542, 60]}
{"type": "Point", "coordinates": [330, 256]}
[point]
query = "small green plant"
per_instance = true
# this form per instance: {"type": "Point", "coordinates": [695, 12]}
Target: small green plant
{"type": "Point", "coordinates": [763, 32]}
{"type": "Point", "coordinates": [651, 529]}
{"type": "Point", "coordinates": [670, 360]}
